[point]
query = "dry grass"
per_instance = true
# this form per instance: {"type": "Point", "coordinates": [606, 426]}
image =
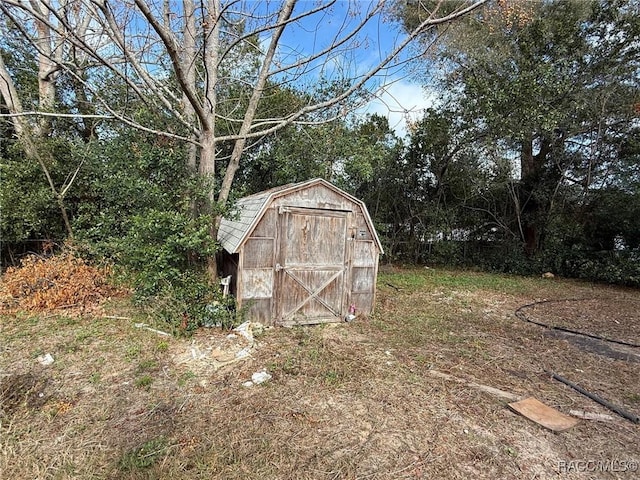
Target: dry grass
{"type": "Point", "coordinates": [349, 401]}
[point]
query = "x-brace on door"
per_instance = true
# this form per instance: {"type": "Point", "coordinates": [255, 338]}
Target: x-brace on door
{"type": "Point", "coordinates": [312, 265]}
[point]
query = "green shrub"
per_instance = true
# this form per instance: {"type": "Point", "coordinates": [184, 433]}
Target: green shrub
{"type": "Point", "coordinates": [163, 256]}
{"type": "Point", "coordinates": [222, 312]}
{"type": "Point", "coordinates": [161, 246]}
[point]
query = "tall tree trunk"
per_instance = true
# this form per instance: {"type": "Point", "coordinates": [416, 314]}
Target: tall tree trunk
{"type": "Point", "coordinates": [28, 139]}
{"type": "Point", "coordinates": [527, 204]}
{"type": "Point", "coordinates": [189, 67]}
{"type": "Point", "coordinates": [207, 172]}
{"type": "Point", "coordinates": [47, 70]}
{"type": "Point", "coordinates": [533, 203]}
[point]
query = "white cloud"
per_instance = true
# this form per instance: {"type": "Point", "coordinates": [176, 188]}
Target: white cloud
{"type": "Point", "coordinates": [401, 102]}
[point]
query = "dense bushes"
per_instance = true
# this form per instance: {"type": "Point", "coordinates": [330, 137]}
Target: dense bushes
{"type": "Point", "coordinates": [163, 254]}
{"type": "Point", "coordinates": [621, 267]}
{"type": "Point", "coordinates": [136, 205]}
{"type": "Point", "coordinates": [144, 218]}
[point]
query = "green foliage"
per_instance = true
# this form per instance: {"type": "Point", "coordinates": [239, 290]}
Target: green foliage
{"type": "Point", "coordinates": [134, 205]}
{"type": "Point", "coordinates": [160, 246]}
{"type": "Point", "coordinates": [162, 255]}
{"type": "Point", "coordinates": [186, 302]}
{"type": "Point", "coordinates": [30, 212]}
{"type": "Point", "coordinates": [622, 268]}
{"type": "Point", "coordinates": [180, 303]}
{"type": "Point", "coordinates": [138, 210]}
{"type": "Point", "coordinates": [125, 177]}
{"type": "Point", "coordinates": [346, 154]}
{"type": "Point", "coordinates": [27, 204]}
{"type": "Point", "coordinates": [144, 381]}
{"type": "Point", "coordinates": [532, 165]}
{"type": "Point", "coordinates": [222, 312]}
{"type": "Point", "coordinates": [144, 455]}
{"type": "Point", "coordinates": [612, 217]}
{"type": "Point", "coordinates": [445, 252]}
{"type": "Point", "coordinates": [416, 194]}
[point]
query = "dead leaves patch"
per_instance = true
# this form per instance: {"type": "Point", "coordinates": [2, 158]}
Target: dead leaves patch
{"type": "Point", "coordinates": [61, 282]}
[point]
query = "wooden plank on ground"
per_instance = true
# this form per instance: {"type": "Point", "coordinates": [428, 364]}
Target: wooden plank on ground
{"type": "Point", "coordinates": [600, 417]}
{"type": "Point", "coordinates": [483, 388]}
{"type": "Point", "coordinates": [544, 415]}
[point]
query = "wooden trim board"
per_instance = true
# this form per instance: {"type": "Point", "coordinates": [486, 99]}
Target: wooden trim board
{"type": "Point", "coordinates": [544, 415]}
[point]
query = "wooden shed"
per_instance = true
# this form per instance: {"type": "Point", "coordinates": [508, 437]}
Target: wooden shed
{"type": "Point", "coordinates": [301, 253]}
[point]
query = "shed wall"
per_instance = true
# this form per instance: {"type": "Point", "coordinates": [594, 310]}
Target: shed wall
{"type": "Point", "coordinates": [317, 196]}
{"type": "Point", "coordinates": [258, 280]}
{"type": "Point", "coordinates": [364, 270]}
{"type": "Point", "coordinates": [258, 269]}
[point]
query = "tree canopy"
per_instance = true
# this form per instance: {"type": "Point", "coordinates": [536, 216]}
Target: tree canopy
{"type": "Point", "coordinates": [131, 126]}
{"type": "Point", "coordinates": [546, 96]}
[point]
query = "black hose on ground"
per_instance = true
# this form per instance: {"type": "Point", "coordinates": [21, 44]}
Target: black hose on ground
{"type": "Point", "coordinates": [614, 408]}
{"type": "Point", "coordinates": [522, 316]}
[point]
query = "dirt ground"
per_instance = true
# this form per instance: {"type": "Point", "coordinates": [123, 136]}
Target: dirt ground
{"type": "Point", "coordinates": [392, 396]}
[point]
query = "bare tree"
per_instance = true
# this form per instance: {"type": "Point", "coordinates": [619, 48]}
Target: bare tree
{"type": "Point", "coordinates": [176, 55]}
{"type": "Point", "coordinates": [49, 38]}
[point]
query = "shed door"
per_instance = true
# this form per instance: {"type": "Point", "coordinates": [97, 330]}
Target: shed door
{"type": "Point", "coordinates": [312, 265]}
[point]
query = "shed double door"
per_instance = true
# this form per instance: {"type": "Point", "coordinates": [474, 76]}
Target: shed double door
{"type": "Point", "coordinates": [312, 265]}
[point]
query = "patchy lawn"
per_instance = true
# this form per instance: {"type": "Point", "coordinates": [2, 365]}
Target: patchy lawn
{"type": "Point", "coordinates": [348, 401]}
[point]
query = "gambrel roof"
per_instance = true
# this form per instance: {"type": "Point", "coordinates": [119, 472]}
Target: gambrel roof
{"type": "Point", "coordinates": [248, 211]}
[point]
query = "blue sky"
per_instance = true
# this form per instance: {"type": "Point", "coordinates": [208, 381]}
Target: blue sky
{"type": "Point", "coordinates": [401, 96]}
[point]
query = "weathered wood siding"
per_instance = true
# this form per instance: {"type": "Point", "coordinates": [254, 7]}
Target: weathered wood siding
{"type": "Point", "coordinates": [317, 196]}
{"type": "Point", "coordinates": [312, 265]}
{"type": "Point", "coordinates": [364, 270]}
{"type": "Point", "coordinates": [258, 262]}
{"type": "Point", "coordinates": [308, 255]}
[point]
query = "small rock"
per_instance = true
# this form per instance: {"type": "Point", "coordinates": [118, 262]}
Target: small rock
{"type": "Point", "coordinates": [260, 377]}
{"type": "Point", "coordinates": [46, 359]}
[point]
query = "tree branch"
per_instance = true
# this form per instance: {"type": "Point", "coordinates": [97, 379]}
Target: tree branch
{"type": "Point", "coordinates": [170, 43]}
{"type": "Point", "coordinates": [238, 148]}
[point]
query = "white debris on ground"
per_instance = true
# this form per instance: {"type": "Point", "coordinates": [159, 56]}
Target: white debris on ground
{"type": "Point", "coordinates": [213, 352]}
{"type": "Point", "coordinates": [147, 327]}
{"type": "Point", "coordinates": [247, 330]}
{"type": "Point", "coordinates": [258, 378]}
{"type": "Point", "coordinates": [46, 359]}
